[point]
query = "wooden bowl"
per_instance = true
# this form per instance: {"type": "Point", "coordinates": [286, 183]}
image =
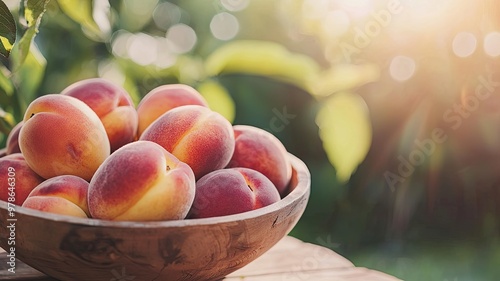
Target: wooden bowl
{"type": "Point", "coordinates": [69, 248]}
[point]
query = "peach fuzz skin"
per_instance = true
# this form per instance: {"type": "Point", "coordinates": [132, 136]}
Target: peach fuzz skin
{"type": "Point", "coordinates": [64, 195]}
{"type": "Point", "coordinates": [62, 135]}
{"type": "Point", "coordinates": [113, 106]}
{"type": "Point", "coordinates": [141, 182]}
{"type": "Point", "coordinates": [22, 177]}
{"type": "Point", "coordinates": [259, 150]}
{"type": "Point", "coordinates": [163, 98]}
{"type": "Point", "coordinates": [12, 144]}
{"type": "Point", "coordinates": [196, 135]}
{"type": "Point", "coordinates": [232, 191]}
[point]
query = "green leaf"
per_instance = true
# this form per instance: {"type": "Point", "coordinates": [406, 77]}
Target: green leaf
{"type": "Point", "coordinates": [33, 13]}
{"type": "Point", "coordinates": [346, 132]}
{"type": "Point", "coordinates": [7, 30]}
{"type": "Point", "coordinates": [7, 122]}
{"type": "Point", "coordinates": [263, 58]}
{"type": "Point", "coordinates": [34, 10]}
{"type": "Point", "coordinates": [81, 12]}
{"type": "Point", "coordinates": [218, 98]}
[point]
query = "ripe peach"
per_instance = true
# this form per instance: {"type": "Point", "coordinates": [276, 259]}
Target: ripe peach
{"type": "Point", "coordinates": [163, 98]}
{"type": "Point", "coordinates": [65, 195]}
{"type": "Point", "coordinates": [112, 104]}
{"type": "Point", "coordinates": [17, 179]}
{"type": "Point", "coordinates": [196, 135]}
{"type": "Point", "coordinates": [141, 181]}
{"type": "Point", "coordinates": [62, 135]}
{"type": "Point", "coordinates": [232, 191]}
{"type": "Point", "coordinates": [260, 150]}
{"type": "Point", "coordinates": [12, 144]}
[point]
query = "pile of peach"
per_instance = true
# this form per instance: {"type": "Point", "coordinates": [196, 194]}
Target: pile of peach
{"type": "Point", "coordinates": [90, 152]}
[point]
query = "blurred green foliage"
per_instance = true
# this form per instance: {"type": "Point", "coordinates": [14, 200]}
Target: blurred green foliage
{"type": "Point", "coordinates": [347, 116]}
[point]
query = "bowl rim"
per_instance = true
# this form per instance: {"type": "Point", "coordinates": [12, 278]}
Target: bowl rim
{"type": "Point", "coordinates": [302, 188]}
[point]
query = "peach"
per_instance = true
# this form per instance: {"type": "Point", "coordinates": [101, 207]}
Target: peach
{"type": "Point", "coordinates": [64, 195]}
{"type": "Point", "coordinates": [196, 135]}
{"type": "Point", "coordinates": [141, 181]}
{"type": "Point", "coordinates": [232, 191]}
{"type": "Point", "coordinates": [163, 98]}
{"type": "Point", "coordinates": [62, 135]}
{"type": "Point", "coordinates": [12, 144]}
{"type": "Point", "coordinates": [17, 179]}
{"type": "Point", "coordinates": [260, 150]}
{"type": "Point", "coordinates": [112, 104]}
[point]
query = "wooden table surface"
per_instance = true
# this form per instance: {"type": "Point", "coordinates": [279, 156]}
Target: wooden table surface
{"type": "Point", "coordinates": [290, 259]}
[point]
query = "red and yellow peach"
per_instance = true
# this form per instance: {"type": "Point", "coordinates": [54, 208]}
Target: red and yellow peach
{"type": "Point", "coordinates": [232, 191]}
{"type": "Point", "coordinates": [196, 135]}
{"type": "Point", "coordinates": [112, 104]}
{"type": "Point", "coordinates": [163, 98]}
{"type": "Point", "coordinates": [62, 135]}
{"type": "Point", "coordinates": [12, 144]}
{"type": "Point", "coordinates": [141, 181]}
{"type": "Point", "coordinates": [17, 179]}
{"type": "Point", "coordinates": [260, 150]}
{"type": "Point", "coordinates": [64, 195]}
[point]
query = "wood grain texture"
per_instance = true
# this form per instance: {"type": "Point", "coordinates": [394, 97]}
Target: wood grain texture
{"type": "Point", "coordinates": [290, 259]}
{"type": "Point", "coordinates": [68, 248]}
{"type": "Point", "coordinates": [294, 260]}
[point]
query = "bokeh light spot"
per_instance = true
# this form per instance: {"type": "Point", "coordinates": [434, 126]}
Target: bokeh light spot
{"type": "Point", "coordinates": [166, 58]}
{"type": "Point", "coordinates": [492, 44]}
{"type": "Point", "coordinates": [224, 26]}
{"type": "Point", "coordinates": [464, 44]}
{"type": "Point", "coordinates": [166, 14]}
{"type": "Point", "coordinates": [402, 68]}
{"type": "Point", "coordinates": [182, 38]}
{"type": "Point", "coordinates": [119, 43]}
{"type": "Point", "coordinates": [142, 49]}
{"type": "Point", "coordinates": [234, 5]}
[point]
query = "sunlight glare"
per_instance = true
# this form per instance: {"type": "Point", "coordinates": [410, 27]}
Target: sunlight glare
{"type": "Point", "coordinates": [315, 9]}
{"type": "Point", "coordinates": [336, 23]}
{"type": "Point", "coordinates": [356, 8]}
